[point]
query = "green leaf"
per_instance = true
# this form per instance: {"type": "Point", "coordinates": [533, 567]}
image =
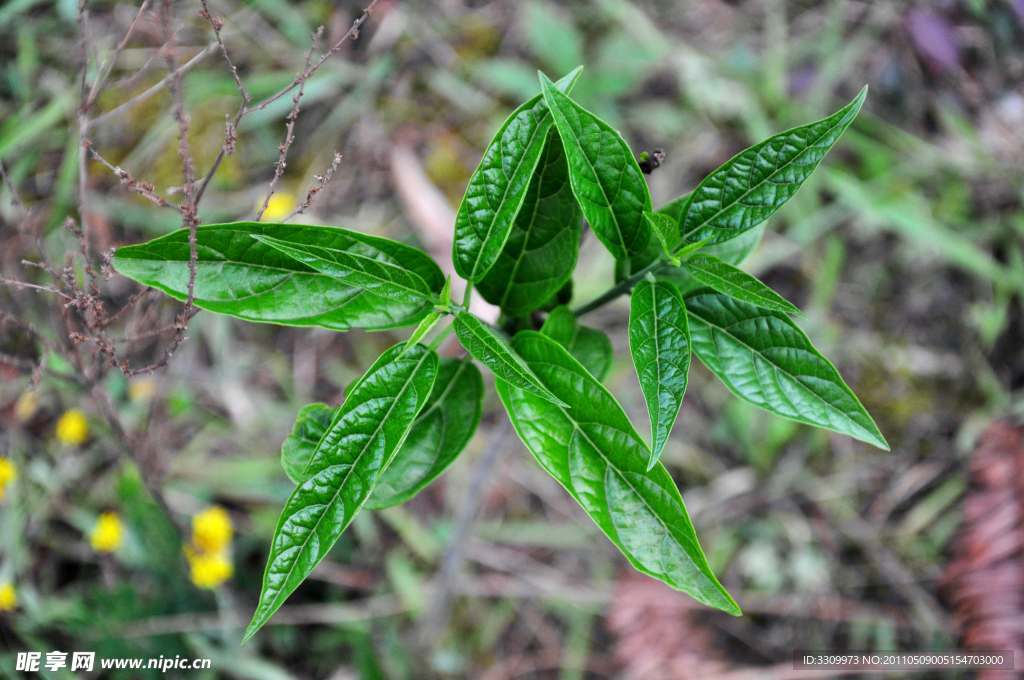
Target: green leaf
{"type": "Point", "coordinates": [659, 341]}
{"type": "Point", "coordinates": [241, 277]}
{"type": "Point", "coordinates": [764, 358]}
{"type": "Point", "coordinates": [540, 254]}
{"type": "Point", "coordinates": [666, 232]}
{"type": "Point", "coordinates": [438, 436]}
{"type": "Point", "coordinates": [592, 450]}
{"type": "Point", "coordinates": [736, 283]}
{"type": "Point", "coordinates": [589, 346]}
{"type": "Point", "coordinates": [361, 441]}
{"type": "Point", "coordinates": [752, 185]}
{"type": "Point", "coordinates": [499, 185]}
{"type": "Point", "coordinates": [310, 425]}
{"type": "Point", "coordinates": [487, 346]}
{"type": "Point", "coordinates": [420, 332]}
{"type": "Point", "coordinates": [603, 173]}
{"type": "Point", "coordinates": [363, 271]}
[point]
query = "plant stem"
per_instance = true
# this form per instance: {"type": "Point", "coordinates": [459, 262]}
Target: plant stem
{"type": "Point", "coordinates": [621, 288]}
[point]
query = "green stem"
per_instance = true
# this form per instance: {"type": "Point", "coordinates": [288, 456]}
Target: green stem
{"type": "Point", "coordinates": [468, 294]}
{"type": "Point", "coordinates": [621, 288]}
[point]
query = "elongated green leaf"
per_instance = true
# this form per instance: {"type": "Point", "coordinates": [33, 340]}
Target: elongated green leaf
{"type": "Point", "coordinates": [589, 346]}
{"type": "Point", "coordinates": [659, 340]}
{"type": "Point", "coordinates": [592, 450]}
{"type": "Point", "coordinates": [310, 425]}
{"type": "Point", "coordinates": [733, 251]}
{"type": "Point", "coordinates": [380, 278]}
{"type": "Point", "coordinates": [499, 185]}
{"type": "Point", "coordinates": [361, 441]}
{"type": "Point", "coordinates": [487, 346]}
{"type": "Point", "coordinates": [666, 232]}
{"type": "Point", "coordinates": [540, 254]}
{"type": "Point", "coordinates": [242, 277]}
{"type": "Point", "coordinates": [438, 436]}
{"type": "Point", "coordinates": [752, 185]}
{"type": "Point", "coordinates": [764, 358]}
{"type": "Point", "coordinates": [424, 327]}
{"type": "Point", "coordinates": [736, 283]}
{"type": "Point", "coordinates": [603, 173]}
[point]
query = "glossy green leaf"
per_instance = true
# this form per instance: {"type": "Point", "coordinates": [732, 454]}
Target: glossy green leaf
{"type": "Point", "coordinates": [752, 185]}
{"type": "Point", "coordinates": [603, 173]}
{"type": "Point", "coordinates": [659, 341]}
{"type": "Point", "coordinates": [424, 327]}
{"type": "Point", "coordinates": [310, 425]}
{"type": "Point", "coordinates": [592, 450]}
{"type": "Point", "coordinates": [239, 276]}
{"type": "Point", "coordinates": [379, 278]}
{"type": "Point", "coordinates": [764, 358]}
{"type": "Point", "coordinates": [589, 346]}
{"type": "Point", "coordinates": [736, 283]}
{"type": "Point", "coordinates": [361, 441]}
{"type": "Point", "coordinates": [674, 210]}
{"type": "Point", "coordinates": [489, 347]}
{"type": "Point", "coordinates": [498, 187]}
{"type": "Point", "coordinates": [666, 233]}
{"type": "Point", "coordinates": [438, 436]}
{"type": "Point", "coordinates": [540, 254]}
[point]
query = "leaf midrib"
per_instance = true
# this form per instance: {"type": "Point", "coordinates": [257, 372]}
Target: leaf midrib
{"type": "Point", "coordinates": [746, 193]}
{"type": "Point", "coordinates": [792, 376]}
{"type": "Point", "coordinates": [726, 283]}
{"type": "Point", "coordinates": [504, 194]}
{"type": "Point", "coordinates": [342, 253]}
{"type": "Point", "coordinates": [577, 427]}
{"type": "Point", "coordinates": [352, 466]}
{"type": "Point", "coordinates": [526, 238]}
{"type": "Point", "coordinates": [600, 185]}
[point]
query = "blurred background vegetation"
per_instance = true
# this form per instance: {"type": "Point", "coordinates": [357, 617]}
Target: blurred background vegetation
{"type": "Point", "coordinates": [135, 512]}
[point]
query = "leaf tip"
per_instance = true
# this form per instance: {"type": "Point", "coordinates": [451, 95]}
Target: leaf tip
{"type": "Point", "coordinates": [250, 630]}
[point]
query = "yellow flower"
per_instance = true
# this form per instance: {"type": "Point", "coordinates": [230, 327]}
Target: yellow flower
{"type": "Point", "coordinates": [107, 535]}
{"type": "Point", "coordinates": [73, 428]}
{"type": "Point", "coordinates": [280, 206]}
{"type": "Point", "coordinates": [26, 405]}
{"type": "Point", "coordinates": [8, 598]}
{"type": "Point", "coordinates": [141, 389]}
{"type": "Point", "coordinates": [209, 570]}
{"type": "Point", "coordinates": [212, 530]}
{"type": "Point", "coordinates": [8, 473]}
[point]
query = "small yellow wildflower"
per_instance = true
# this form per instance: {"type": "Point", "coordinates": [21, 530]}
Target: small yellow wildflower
{"type": "Point", "coordinates": [212, 530]}
{"type": "Point", "coordinates": [141, 389]}
{"type": "Point", "coordinates": [209, 570]}
{"type": "Point", "coordinates": [8, 598]}
{"type": "Point", "coordinates": [280, 206]}
{"type": "Point", "coordinates": [8, 473]}
{"type": "Point", "coordinates": [73, 428]}
{"type": "Point", "coordinates": [26, 405]}
{"type": "Point", "coordinates": [107, 535]}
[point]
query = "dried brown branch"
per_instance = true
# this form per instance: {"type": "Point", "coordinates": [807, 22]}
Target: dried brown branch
{"type": "Point", "coordinates": [319, 182]}
{"type": "Point", "coordinates": [289, 131]}
{"type": "Point", "coordinates": [246, 107]}
{"type": "Point", "coordinates": [140, 187]}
